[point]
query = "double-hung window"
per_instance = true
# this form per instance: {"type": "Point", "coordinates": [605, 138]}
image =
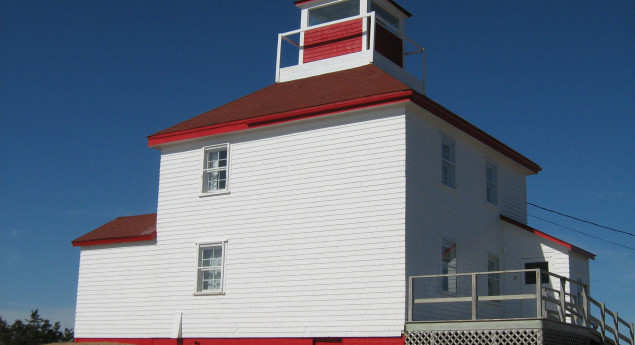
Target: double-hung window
{"type": "Point", "coordinates": [493, 280]}
{"type": "Point", "coordinates": [491, 183]}
{"type": "Point", "coordinates": [448, 266]}
{"type": "Point", "coordinates": [215, 169]}
{"type": "Point", "coordinates": [210, 271]}
{"type": "Point", "coordinates": [448, 162]}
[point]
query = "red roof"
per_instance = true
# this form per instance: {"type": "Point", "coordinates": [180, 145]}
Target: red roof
{"type": "Point", "coordinates": [351, 89]}
{"type": "Point", "coordinates": [297, 94]}
{"type": "Point", "coordinates": [298, 2]}
{"type": "Point", "coordinates": [549, 237]}
{"type": "Point", "coordinates": [122, 229]}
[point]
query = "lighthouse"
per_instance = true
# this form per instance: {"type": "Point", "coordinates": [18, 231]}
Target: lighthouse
{"type": "Point", "coordinates": [302, 213]}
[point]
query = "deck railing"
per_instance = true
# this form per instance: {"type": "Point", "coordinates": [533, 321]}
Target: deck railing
{"type": "Point", "coordinates": [552, 298]}
{"type": "Point", "coordinates": [368, 40]}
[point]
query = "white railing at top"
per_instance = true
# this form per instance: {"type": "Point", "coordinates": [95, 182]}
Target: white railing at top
{"type": "Point", "coordinates": [367, 45]}
{"type": "Point", "coordinates": [550, 303]}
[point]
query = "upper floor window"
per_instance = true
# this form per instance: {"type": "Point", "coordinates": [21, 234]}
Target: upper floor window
{"type": "Point", "coordinates": [448, 266]}
{"type": "Point", "coordinates": [448, 162]}
{"type": "Point", "coordinates": [211, 258]}
{"type": "Point", "coordinates": [215, 168]}
{"type": "Point", "coordinates": [491, 183]}
{"type": "Point", "coordinates": [329, 13]}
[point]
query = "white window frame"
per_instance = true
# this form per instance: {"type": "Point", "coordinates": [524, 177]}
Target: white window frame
{"type": "Point", "coordinates": [385, 21]}
{"type": "Point", "coordinates": [491, 182]}
{"type": "Point", "coordinates": [205, 190]}
{"type": "Point", "coordinates": [493, 280]}
{"type": "Point", "coordinates": [308, 16]}
{"type": "Point", "coordinates": [449, 284]}
{"type": "Point", "coordinates": [200, 268]}
{"type": "Point", "coordinates": [448, 162]}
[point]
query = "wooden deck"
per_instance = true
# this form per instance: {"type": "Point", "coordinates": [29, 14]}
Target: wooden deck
{"type": "Point", "coordinates": [559, 316]}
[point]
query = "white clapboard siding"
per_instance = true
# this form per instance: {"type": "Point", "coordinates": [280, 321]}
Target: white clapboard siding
{"type": "Point", "coordinates": [314, 223]}
{"type": "Point", "coordinates": [437, 212]}
{"type": "Point", "coordinates": [462, 214]}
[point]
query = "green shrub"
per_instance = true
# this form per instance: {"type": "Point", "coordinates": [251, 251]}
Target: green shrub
{"type": "Point", "coordinates": [35, 331]}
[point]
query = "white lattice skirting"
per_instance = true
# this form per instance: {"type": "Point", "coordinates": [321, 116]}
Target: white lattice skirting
{"type": "Point", "coordinates": [495, 337]}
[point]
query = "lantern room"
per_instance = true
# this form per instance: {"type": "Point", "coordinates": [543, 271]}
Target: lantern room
{"type": "Point", "coordinates": [336, 35]}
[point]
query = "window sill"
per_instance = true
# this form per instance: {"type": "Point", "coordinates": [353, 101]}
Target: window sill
{"type": "Point", "coordinates": [203, 195]}
{"type": "Point", "coordinates": [491, 205]}
{"type": "Point", "coordinates": [208, 293]}
{"type": "Point", "coordinates": [448, 188]}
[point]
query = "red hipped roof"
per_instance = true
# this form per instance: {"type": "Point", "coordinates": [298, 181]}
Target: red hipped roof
{"type": "Point", "coordinates": [122, 229]}
{"type": "Point", "coordinates": [356, 88]}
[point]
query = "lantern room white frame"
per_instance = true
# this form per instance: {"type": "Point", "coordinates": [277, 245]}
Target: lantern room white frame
{"type": "Point", "coordinates": [367, 55]}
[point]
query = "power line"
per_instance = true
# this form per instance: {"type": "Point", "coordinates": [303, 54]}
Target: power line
{"type": "Point", "coordinates": [582, 220]}
{"type": "Point", "coordinates": [583, 233]}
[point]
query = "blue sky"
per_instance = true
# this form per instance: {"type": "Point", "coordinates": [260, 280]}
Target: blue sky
{"type": "Point", "coordinates": [82, 83]}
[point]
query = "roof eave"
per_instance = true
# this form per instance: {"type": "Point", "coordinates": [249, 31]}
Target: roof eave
{"type": "Point", "coordinates": [477, 133]}
{"type": "Point", "coordinates": [539, 233]}
{"type": "Point", "coordinates": [273, 119]}
{"type": "Point", "coordinates": [422, 101]}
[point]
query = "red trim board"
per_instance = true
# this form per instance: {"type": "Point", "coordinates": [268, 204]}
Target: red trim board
{"type": "Point", "coordinates": [249, 341]}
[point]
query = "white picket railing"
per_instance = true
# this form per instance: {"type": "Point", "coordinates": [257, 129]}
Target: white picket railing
{"type": "Point", "coordinates": [550, 303]}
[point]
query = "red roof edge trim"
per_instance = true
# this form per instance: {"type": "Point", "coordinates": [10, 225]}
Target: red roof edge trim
{"type": "Point", "coordinates": [196, 133]}
{"type": "Point", "coordinates": [549, 237]}
{"type": "Point", "coordinates": [462, 124]}
{"type": "Point", "coordinates": [273, 119]}
{"type": "Point", "coordinates": [115, 240]}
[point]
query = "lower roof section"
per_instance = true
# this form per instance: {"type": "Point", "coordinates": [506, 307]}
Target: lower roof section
{"type": "Point", "coordinates": [122, 229]}
{"type": "Point", "coordinates": [536, 232]}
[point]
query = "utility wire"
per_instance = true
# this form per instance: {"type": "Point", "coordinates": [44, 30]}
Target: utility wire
{"type": "Point", "coordinates": [580, 232]}
{"type": "Point", "coordinates": [582, 220]}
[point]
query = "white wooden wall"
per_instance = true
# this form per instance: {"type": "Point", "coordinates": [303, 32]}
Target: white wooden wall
{"type": "Point", "coordinates": [324, 220]}
{"type": "Point", "coordinates": [315, 227]}
{"type": "Point", "coordinates": [436, 212]}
